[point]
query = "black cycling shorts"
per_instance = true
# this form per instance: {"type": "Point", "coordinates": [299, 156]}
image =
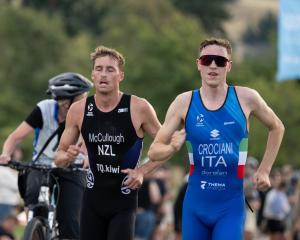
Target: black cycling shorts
{"type": "Point", "coordinates": [275, 226]}
{"type": "Point", "coordinates": [118, 226]}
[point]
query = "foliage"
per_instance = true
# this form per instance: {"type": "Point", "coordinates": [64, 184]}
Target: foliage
{"type": "Point", "coordinates": [30, 56]}
{"type": "Point", "coordinates": [77, 16]}
{"type": "Point", "coordinates": [261, 33]}
{"type": "Point", "coordinates": [210, 14]}
{"type": "Point", "coordinates": [88, 15]}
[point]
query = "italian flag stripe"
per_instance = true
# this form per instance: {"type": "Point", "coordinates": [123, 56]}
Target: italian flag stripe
{"type": "Point", "coordinates": [189, 146]}
{"type": "Point", "coordinates": [241, 171]}
{"type": "Point", "coordinates": [244, 145]}
{"type": "Point", "coordinates": [192, 167]}
{"type": "Point", "coordinates": [243, 151]}
{"type": "Point", "coordinates": [191, 156]}
{"type": "Point", "coordinates": [242, 158]}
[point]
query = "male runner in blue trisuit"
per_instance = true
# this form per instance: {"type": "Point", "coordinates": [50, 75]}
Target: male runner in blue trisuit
{"type": "Point", "coordinates": [215, 121]}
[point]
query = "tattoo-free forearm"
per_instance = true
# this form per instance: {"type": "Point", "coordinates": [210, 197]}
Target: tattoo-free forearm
{"type": "Point", "coordinates": [272, 148]}
{"type": "Point", "coordinates": [161, 152]}
{"type": "Point", "coordinates": [149, 166]}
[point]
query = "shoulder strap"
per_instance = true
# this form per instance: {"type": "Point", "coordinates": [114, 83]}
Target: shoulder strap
{"type": "Point", "coordinates": [48, 141]}
{"type": "Point", "coordinates": [248, 204]}
{"type": "Point", "coordinates": [125, 100]}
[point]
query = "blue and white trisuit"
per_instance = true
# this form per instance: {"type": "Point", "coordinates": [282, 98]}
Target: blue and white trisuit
{"type": "Point", "coordinates": [217, 142]}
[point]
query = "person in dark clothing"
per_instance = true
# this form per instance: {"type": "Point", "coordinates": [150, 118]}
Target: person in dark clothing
{"type": "Point", "coordinates": [7, 227]}
{"type": "Point", "coordinates": [177, 210]}
{"type": "Point", "coordinates": [148, 196]}
{"type": "Point", "coordinates": [113, 125]}
{"type": "Point", "coordinates": [47, 121]}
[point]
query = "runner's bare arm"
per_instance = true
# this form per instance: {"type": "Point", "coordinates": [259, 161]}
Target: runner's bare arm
{"type": "Point", "coordinates": [267, 117]}
{"type": "Point", "coordinates": [149, 124]}
{"type": "Point", "coordinates": [276, 130]}
{"type": "Point", "coordinates": [22, 131]}
{"type": "Point", "coordinates": [169, 139]}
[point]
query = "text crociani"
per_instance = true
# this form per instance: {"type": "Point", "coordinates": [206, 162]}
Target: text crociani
{"type": "Point", "coordinates": [213, 155]}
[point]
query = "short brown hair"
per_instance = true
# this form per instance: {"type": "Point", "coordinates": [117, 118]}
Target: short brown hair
{"type": "Point", "coordinates": [216, 41]}
{"type": "Point", "coordinates": [102, 51]}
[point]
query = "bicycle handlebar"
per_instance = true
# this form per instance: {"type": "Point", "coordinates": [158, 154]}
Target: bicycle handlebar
{"type": "Point", "coordinates": [19, 166]}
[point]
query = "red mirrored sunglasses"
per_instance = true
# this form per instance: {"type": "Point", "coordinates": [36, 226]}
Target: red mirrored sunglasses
{"type": "Point", "coordinates": [220, 61]}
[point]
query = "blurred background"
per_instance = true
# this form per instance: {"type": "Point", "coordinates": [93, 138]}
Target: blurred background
{"type": "Point", "coordinates": [160, 40]}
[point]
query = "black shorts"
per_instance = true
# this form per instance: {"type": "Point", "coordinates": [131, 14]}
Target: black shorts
{"type": "Point", "coordinates": [71, 186]}
{"type": "Point", "coordinates": [275, 226]}
{"type": "Point", "coordinates": [118, 225]}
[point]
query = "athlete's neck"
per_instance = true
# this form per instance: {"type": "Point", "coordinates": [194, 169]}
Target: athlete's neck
{"type": "Point", "coordinates": [213, 98]}
{"type": "Point", "coordinates": [107, 102]}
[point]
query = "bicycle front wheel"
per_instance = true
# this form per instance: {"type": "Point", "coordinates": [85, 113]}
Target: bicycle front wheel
{"type": "Point", "coordinates": [34, 230]}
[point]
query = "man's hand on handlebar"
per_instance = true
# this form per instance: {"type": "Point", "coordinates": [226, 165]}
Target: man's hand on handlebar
{"type": "Point", "coordinates": [5, 158]}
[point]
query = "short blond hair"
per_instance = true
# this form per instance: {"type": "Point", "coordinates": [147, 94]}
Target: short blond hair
{"type": "Point", "coordinates": [216, 41]}
{"type": "Point", "coordinates": [102, 51]}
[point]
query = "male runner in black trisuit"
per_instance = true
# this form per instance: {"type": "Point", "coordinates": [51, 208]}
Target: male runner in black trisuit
{"type": "Point", "coordinates": [112, 125]}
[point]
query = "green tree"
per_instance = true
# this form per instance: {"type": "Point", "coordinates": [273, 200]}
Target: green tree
{"type": "Point", "coordinates": [211, 14]}
{"type": "Point", "coordinates": [261, 33]}
{"type": "Point", "coordinates": [34, 49]}
{"type": "Point", "coordinates": [77, 16]}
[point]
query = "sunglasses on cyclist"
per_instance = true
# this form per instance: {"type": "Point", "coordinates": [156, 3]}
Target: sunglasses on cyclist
{"type": "Point", "coordinates": [220, 61]}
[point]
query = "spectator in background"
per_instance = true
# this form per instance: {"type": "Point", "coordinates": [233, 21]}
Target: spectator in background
{"type": "Point", "coordinates": [7, 227]}
{"type": "Point", "coordinates": [252, 198]}
{"type": "Point", "coordinates": [294, 200]}
{"type": "Point", "coordinates": [163, 208]}
{"type": "Point", "coordinates": [292, 190]}
{"type": "Point", "coordinates": [296, 229]}
{"type": "Point", "coordinates": [286, 173]}
{"type": "Point", "coordinates": [149, 196]}
{"type": "Point", "coordinates": [9, 193]}
{"type": "Point", "coordinates": [276, 208]}
{"type": "Point", "coordinates": [261, 221]}
{"type": "Point", "coordinates": [177, 210]}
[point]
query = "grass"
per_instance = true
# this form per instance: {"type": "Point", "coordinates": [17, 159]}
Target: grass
{"type": "Point", "coordinates": [19, 232]}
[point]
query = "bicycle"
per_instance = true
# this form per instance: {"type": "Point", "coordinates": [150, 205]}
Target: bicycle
{"type": "Point", "coordinates": [42, 224]}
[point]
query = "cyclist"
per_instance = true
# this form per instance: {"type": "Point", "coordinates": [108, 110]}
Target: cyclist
{"type": "Point", "coordinates": [215, 119]}
{"type": "Point", "coordinates": [47, 118]}
{"type": "Point", "coordinates": [112, 125]}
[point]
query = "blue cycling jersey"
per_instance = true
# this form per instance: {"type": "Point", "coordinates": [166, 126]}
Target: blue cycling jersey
{"type": "Point", "coordinates": [217, 142]}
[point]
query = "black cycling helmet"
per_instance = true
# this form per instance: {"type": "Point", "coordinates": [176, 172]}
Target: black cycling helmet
{"type": "Point", "coordinates": [68, 85]}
